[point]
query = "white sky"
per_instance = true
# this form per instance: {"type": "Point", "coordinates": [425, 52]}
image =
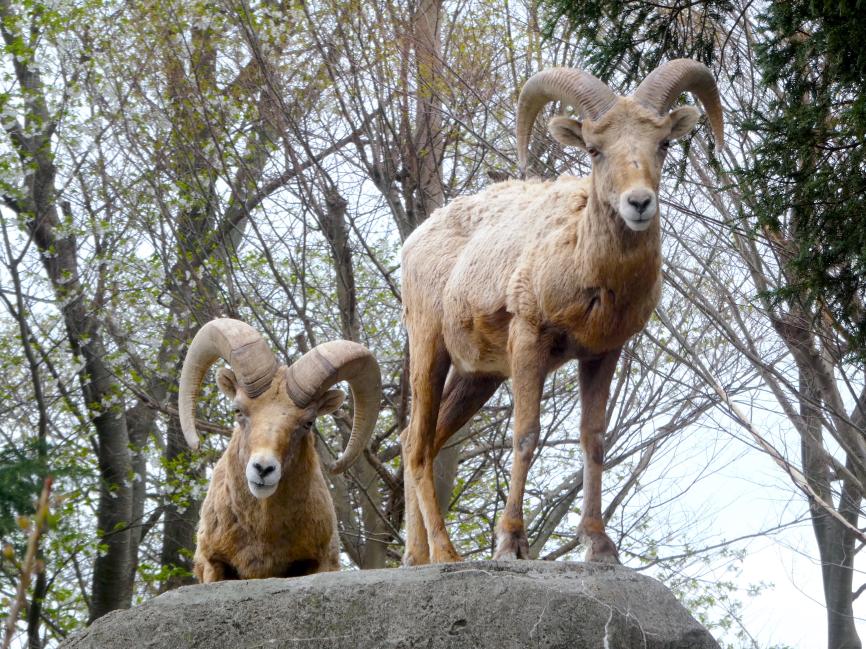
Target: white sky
{"type": "Point", "coordinates": [752, 494]}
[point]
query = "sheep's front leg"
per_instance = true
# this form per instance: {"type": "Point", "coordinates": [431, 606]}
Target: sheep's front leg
{"type": "Point", "coordinates": [595, 378]}
{"type": "Point", "coordinates": [528, 366]}
{"type": "Point", "coordinates": [208, 571]}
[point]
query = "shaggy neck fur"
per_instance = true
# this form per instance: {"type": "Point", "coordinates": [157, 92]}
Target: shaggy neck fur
{"type": "Point", "coordinates": [602, 291]}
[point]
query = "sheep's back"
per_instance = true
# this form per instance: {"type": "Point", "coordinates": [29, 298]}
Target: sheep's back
{"type": "Point", "coordinates": [458, 265]}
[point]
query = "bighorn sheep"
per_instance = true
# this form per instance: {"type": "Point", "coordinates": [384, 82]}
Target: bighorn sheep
{"type": "Point", "coordinates": [526, 275]}
{"type": "Point", "coordinates": [268, 511]}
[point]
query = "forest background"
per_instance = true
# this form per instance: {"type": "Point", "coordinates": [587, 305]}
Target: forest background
{"type": "Point", "coordinates": [163, 163]}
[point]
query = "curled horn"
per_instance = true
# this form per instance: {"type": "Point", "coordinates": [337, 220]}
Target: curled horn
{"type": "Point", "coordinates": [327, 364]}
{"type": "Point", "coordinates": [589, 96]}
{"type": "Point", "coordinates": [663, 85]}
{"type": "Point", "coordinates": [240, 346]}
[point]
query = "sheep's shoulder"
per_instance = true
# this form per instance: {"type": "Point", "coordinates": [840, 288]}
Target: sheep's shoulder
{"type": "Point", "coordinates": [547, 239]}
{"type": "Point", "coordinates": [220, 524]}
{"type": "Point", "coordinates": [578, 278]}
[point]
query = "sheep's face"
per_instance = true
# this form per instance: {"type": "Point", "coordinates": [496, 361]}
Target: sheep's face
{"type": "Point", "coordinates": [628, 145]}
{"type": "Point", "coordinates": [270, 428]}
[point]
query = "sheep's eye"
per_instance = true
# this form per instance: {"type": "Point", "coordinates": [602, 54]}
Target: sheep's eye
{"type": "Point", "coordinates": [593, 151]}
{"type": "Point", "coordinates": [665, 145]}
{"type": "Point", "coordinates": [308, 425]}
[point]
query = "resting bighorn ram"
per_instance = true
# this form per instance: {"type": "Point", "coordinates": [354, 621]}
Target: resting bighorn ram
{"type": "Point", "coordinates": [268, 511]}
{"type": "Point", "coordinates": [526, 275]}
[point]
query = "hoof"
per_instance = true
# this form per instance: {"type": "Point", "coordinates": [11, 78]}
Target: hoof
{"type": "Point", "coordinates": [600, 549]}
{"type": "Point", "coordinates": [410, 560]}
{"type": "Point", "coordinates": [415, 558]}
{"type": "Point", "coordinates": [445, 556]}
{"type": "Point", "coordinates": [511, 545]}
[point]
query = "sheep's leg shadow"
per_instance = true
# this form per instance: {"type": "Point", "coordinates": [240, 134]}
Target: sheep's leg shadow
{"type": "Point", "coordinates": [595, 379]}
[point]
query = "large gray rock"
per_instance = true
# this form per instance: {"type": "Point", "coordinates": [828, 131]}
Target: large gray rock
{"type": "Point", "coordinates": [477, 604]}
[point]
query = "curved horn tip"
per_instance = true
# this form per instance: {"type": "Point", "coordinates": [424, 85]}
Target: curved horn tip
{"type": "Point", "coordinates": [190, 434]}
{"type": "Point", "coordinates": [192, 440]}
{"type": "Point", "coordinates": [719, 135]}
{"type": "Point", "coordinates": [339, 466]}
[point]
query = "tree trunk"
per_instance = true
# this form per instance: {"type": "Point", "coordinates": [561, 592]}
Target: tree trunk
{"type": "Point", "coordinates": [836, 544]}
{"type": "Point", "coordinates": [180, 517]}
{"type": "Point", "coordinates": [140, 423]}
{"type": "Point", "coordinates": [37, 204]}
{"type": "Point", "coordinates": [836, 547]}
{"type": "Point", "coordinates": [428, 143]}
{"type": "Point", "coordinates": [181, 509]}
{"type": "Point", "coordinates": [34, 613]}
{"type": "Point", "coordinates": [372, 547]}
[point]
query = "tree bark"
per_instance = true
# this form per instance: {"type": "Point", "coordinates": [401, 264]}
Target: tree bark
{"type": "Point", "coordinates": [372, 544]}
{"type": "Point", "coordinates": [34, 613]}
{"type": "Point", "coordinates": [58, 251]}
{"type": "Point", "coordinates": [428, 141]}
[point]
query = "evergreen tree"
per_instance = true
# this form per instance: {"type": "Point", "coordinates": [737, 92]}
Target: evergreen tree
{"type": "Point", "coordinates": [795, 171]}
{"type": "Point", "coordinates": [810, 171]}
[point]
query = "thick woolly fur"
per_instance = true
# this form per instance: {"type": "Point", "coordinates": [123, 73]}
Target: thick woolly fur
{"type": "Point", "coordinates": [292, 531]}
{"type": "Point", "coordinates": [515, 281]}
{"type": "Point", "coordinates": [530, 249]}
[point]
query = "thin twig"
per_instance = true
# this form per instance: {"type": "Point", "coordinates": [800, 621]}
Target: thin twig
{"type": "Point", "coordinates": [27, 567]}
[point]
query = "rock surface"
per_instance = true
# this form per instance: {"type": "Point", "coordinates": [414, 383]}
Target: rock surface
{"type": "Point", "coordinates": [475, 604]}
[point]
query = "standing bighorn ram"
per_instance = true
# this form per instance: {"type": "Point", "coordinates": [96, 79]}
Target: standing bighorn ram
{"type": "Point", "coordinates": [526, 275]}
{"type": "Point", "coordinates": [268, 511]}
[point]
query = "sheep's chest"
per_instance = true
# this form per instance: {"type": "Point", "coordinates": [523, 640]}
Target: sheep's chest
{"type": "Point", "coordinates": [279, 558]}
{"type": "Point", "coordinates": [268, 539]}
{"type": "Point", "coordinates": [602, 302]}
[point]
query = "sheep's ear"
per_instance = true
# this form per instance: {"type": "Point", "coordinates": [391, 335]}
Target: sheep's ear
{"type": "Point", "coordinates": [567, 131]}
{"type": "Point", "coordinates": [330, 401]}
{"type": "Point", "coordinates": [227, 382]}
{"type": "Point", "coordinates": [683, 120]}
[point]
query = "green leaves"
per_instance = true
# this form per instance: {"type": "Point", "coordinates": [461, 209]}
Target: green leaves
{"type": "Point", "coordinates": [808, 176]}
{"type": "Point", "coordinates": [22, 470]}
{"type": "Point", "coordinates": [633, 37]}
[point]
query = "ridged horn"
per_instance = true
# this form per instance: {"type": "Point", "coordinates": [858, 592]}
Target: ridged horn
{"type": "Point", "coordinates": [327, 364]}
{"type": "Point", "coordinates": [237, 343]}
{"type": "Point", "coordinates": [589, 96]}
{"type": "Point", "coordinates": [663, 85]}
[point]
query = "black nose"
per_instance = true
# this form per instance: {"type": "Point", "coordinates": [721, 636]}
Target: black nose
{"type": "Point", "coordinates": [640, 205]}
{"type": "Point", "coordinates": [263, 471]}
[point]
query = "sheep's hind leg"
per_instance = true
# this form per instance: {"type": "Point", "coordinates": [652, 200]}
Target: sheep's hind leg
{"type": "Point", "coordinates": [462, 397]}
{"type": "Point", "coordinates": [595, 378]}
{"type": "Point", "coordinates": [416, 551]}
{"type": "Point", "coordinates": [528, 363]}
{"type": "Point", "coordinates": [429, 367]}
